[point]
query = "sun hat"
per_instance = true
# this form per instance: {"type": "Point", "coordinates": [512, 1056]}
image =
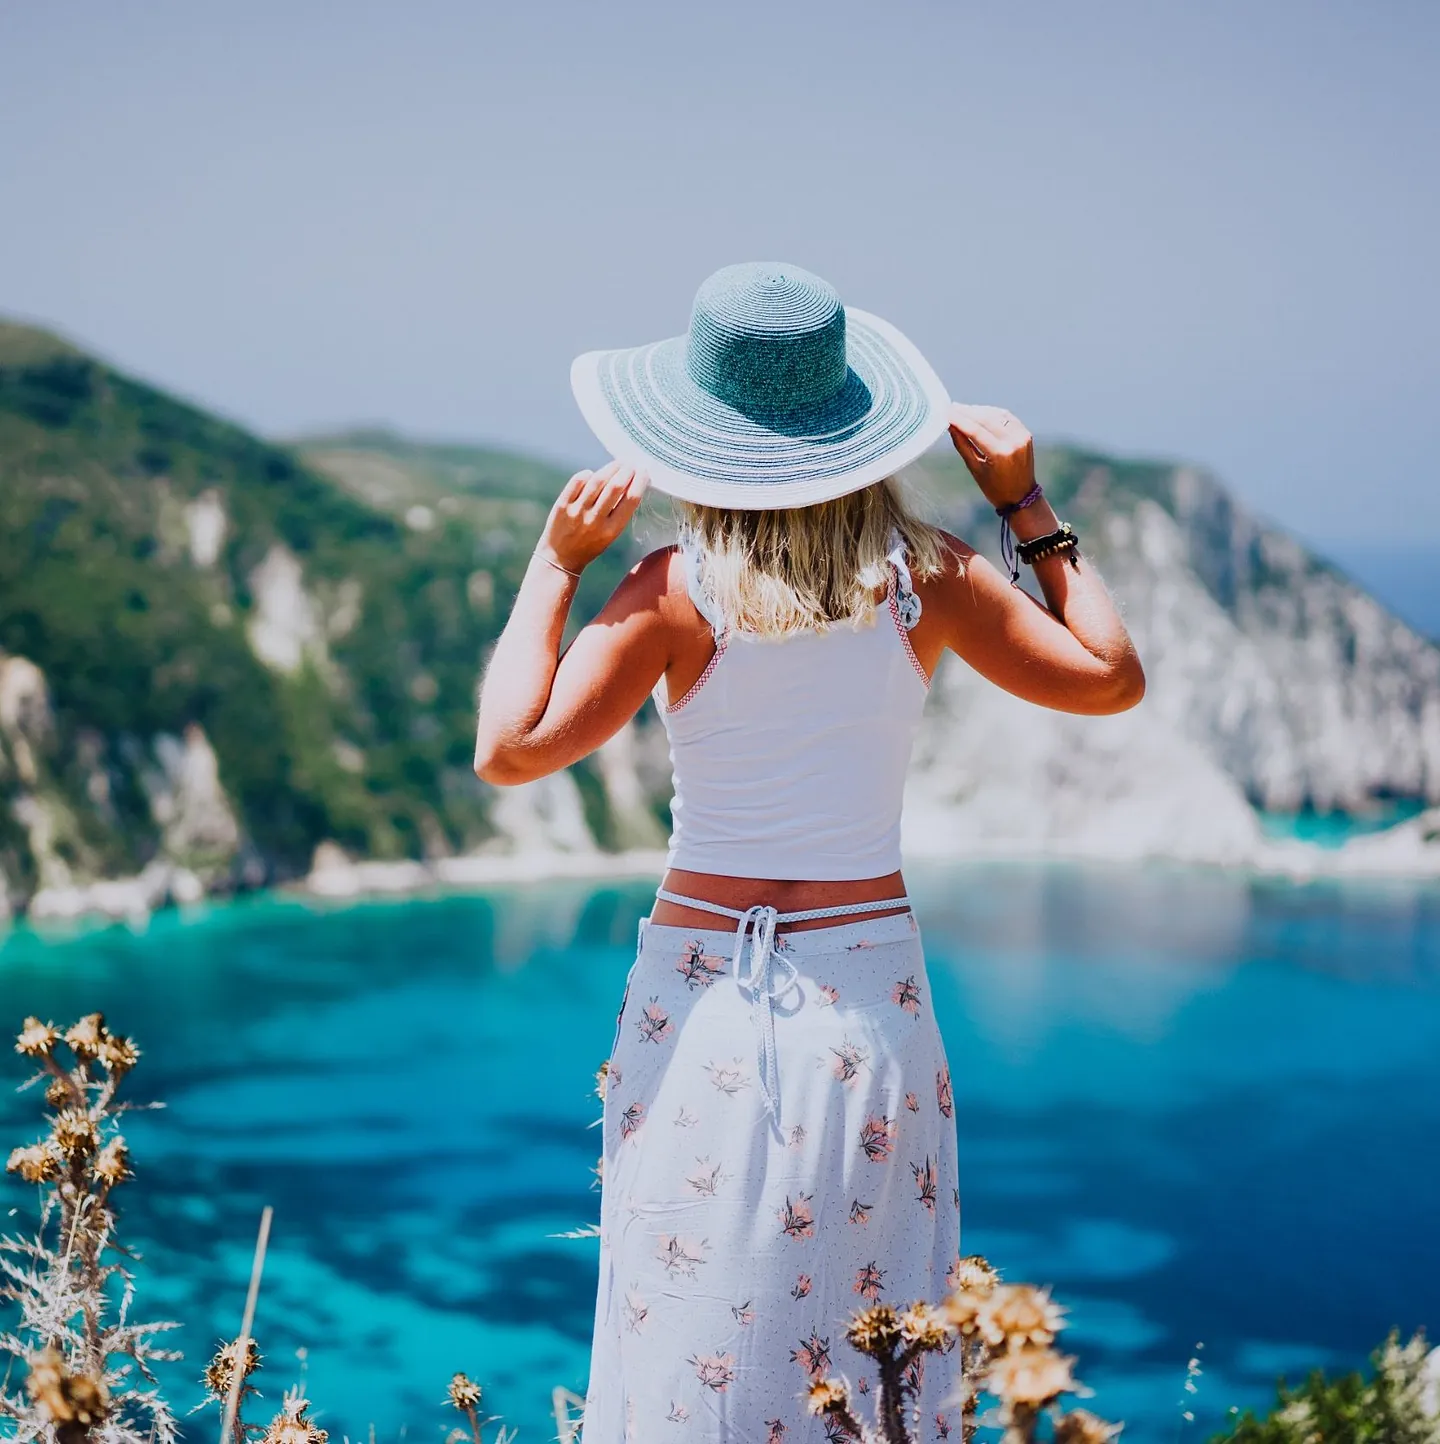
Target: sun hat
{"type": "Point", "coordinates": [778, 396]}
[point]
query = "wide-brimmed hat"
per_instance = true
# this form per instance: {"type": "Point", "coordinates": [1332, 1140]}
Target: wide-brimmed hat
{"type": "Point", "coordinates": [778, 396]}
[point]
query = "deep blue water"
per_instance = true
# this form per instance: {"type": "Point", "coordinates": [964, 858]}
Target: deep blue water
{"type": "Point", "coordinates": [1206, 1108]}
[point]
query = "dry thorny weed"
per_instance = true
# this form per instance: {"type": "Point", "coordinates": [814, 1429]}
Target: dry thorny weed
{"type": "Point", "coordinates": [88, 1361]}
{"type": "Point", "coordinates": [1006, 1336]}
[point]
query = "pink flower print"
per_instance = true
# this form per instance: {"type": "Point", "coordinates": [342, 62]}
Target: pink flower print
{"type": "Point", "coordinates": [952, 1275]}
{"type": "Point", "coordinates": [631, 1119]}
{"type": "Point", "coordinates": [850, 1058]}
{"type": "Point", "coordinates": [944, 1093]}
{"type": "Point", "coordinates": [715, 1371]}
{"type": "Point", "coordinates": [912, 1102]}
{"type": "Point", "coordinates": [860, 1212]}
{"type": "Point", "coordinates": [942, 1427]}
{"type": "Point", "coordinates": [678, 1413]}
{"type": "Point", "coordinates": [697, 967]}
{"type": "Point", "coordinates": [913, 1375]}
{"type": "Point", "coordinates": [828, 996]}
{"type": "Point", "coordinates": [797, 1137]}
{"type": "Point", "coordinates": [612, 1073]}
{"type": "Point", "coordinates": [860, 946]}
{"type": "Point", "coordinates": [813, 1355]}
{"type": "Point", "coordinates": [797, 1220]}
{"type": "Point", "coordinates": [685, 1118]}
{"type": "Point", "coordinates": [837, 1431]}
{"type": "Point", "coordinates": [706, 1178]}
{"type": "Point", "coordinates": [680, 1256]}
{"type": "Point", "coordinates": [925, 1182]}
{"type": "Point", "coordinates": [774, 1431]}
{"type": "Point", "coordinates": [636, 1312]}
{"type": "Point", "coordinates": [877, 1137]}
{"type": "Point", "coordinates": [906, 994]}
{"type": "Point", "coordinates": [800, 1289]}
{"type": "Point", "coordinates": [869, 1281]}
{"type": "Point", "coordinates": [654, 1023]}
{"type": "Point", "coordinates": [743, 1313]}
{"type": "Point", "coordinates": [862, 1384]}
{"type": "Point", "coordinates": [728, 1078]}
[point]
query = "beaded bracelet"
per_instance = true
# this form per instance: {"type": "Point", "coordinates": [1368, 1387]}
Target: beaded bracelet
{"type": "Point", "coordinates": [1051, 544]}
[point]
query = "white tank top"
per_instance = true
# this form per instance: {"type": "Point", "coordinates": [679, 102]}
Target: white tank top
{"type": "Point", "coordinates": [789, 755]}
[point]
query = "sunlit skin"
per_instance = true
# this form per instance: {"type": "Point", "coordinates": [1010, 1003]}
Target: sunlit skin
{"type": "Point", "coordinates": [541, 711]}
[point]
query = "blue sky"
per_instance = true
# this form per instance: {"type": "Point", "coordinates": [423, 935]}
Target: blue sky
{"type": "Point", "coordinates": [1199, 231]}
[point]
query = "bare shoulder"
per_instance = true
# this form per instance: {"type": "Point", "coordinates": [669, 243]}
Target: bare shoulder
{"type": "Point", "coordinates": [656, 586]}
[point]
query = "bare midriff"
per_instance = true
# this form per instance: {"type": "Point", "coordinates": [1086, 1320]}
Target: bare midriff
{"type": "Point", "coordinates": [784, 896]}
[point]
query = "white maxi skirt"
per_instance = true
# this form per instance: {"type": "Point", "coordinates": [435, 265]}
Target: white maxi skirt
{"type": "Point", "coordinates": [737, 1240]}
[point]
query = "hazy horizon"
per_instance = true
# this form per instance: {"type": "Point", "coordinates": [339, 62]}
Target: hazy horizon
{"type": "Point", "coordinates": [1151, 231]}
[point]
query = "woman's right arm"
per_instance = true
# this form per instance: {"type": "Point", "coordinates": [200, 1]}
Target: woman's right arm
{"type": "Point", "coordinates": [1074, 654]}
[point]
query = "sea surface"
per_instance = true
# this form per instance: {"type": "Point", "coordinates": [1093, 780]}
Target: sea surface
{"type": "Point", "coordinates": [1204, 1107]}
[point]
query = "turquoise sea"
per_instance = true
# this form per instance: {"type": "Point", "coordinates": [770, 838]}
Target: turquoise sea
{"type": "Point", "coordinates": [1204, 1106]}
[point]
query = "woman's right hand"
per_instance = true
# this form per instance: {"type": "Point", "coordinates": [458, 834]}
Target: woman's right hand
{"type": "Point", "coordinates": [999, 451]}
{"type": "Point", "coordinates": [591, 511]}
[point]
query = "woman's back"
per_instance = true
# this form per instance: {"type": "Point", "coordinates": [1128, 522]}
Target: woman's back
{"type": "Point", "coordinates": [789, 754]}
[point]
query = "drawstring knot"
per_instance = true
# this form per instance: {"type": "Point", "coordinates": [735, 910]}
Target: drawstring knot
{"type": "Point", "coordinates": [754, 971]}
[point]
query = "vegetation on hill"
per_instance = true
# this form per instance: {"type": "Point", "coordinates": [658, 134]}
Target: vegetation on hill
{"type": "Point", "coordinates": [113, 497]}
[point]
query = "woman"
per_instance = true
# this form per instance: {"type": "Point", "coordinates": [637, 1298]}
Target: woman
{"type": "Point", "coordinates": [779, 1139]}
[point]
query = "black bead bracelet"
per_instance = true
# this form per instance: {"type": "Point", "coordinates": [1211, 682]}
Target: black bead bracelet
{"type": "Point", "coordinates": [1049, 545]}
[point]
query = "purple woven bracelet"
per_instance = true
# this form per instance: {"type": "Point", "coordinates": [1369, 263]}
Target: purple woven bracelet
{"type": "Point", "coordinates": [1007, 537]}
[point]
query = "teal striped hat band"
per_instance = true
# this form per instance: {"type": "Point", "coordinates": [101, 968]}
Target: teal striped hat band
{"type": "Point", "coordinates": [778, 395]}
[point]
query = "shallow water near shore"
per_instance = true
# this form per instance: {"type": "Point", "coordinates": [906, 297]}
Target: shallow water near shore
{"type": "Point", "coordinates": [1203, 1106]}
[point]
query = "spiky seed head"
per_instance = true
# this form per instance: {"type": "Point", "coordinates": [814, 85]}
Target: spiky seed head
{"type": "Point", "coordinates": [463, 1393]}
{"type": "Point", "coordinates": [602, 1077]}
{"type": "Point", "coordinates": [827, 1396]}
{"type": "Point", "coordinates": [87, 1035]}
{"type": "Point", "coordinates": [112, 1165]}
{"type": "Point", "coordinates": [37, 1039]}
{"type": "Point", "coordinates": [1079, 1426]}
{"type": "Point", "coordinates": [72, 1402]}
{"type": "Point", "coordinates": [292, 1426]}
{"type": "Point", "coordinates": [119, 1055]}
{"type": "Point", "coordinates": [219, 1374]}
{"type": "Point", "coordinates": [974, 1274]}
{"type": "Point", "coordinates": [38, 1163]}
{"type": "Point", "coordinates": [925, 1326]}
{"type": "Point", "coordinates": [74, 1134]}
{"type": "Point", "coordinates": [1016, 1314]}
{"type": "Point", "coordinates": [875, 1330]}
{"type": "Point", "coordinates": [59, 1094]}
{"type": "Point", "coordinates": [1031, 1376]}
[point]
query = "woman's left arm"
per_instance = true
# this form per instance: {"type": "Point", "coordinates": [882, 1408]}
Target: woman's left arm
{"type": "Point", "coordinates": [539, 711]}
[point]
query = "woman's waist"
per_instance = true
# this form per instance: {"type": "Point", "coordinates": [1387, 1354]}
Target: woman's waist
{"type": "Point", "coordinates": [737, 895]}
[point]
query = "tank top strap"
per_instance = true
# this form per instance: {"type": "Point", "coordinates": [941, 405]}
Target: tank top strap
{"type": "Point", "coordinates": [704, 601]}
{"type": "Point", "coordinates": [907, 604]}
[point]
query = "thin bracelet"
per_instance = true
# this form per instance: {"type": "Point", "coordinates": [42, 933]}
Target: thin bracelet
{"type": "Point", "coordinates": [550, 562]}
{"type": "Point", "coordinates": [1007, 537]}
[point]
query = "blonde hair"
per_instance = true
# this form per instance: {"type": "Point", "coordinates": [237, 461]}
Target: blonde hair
{"type": "Point", "coordinates": [808, 567]}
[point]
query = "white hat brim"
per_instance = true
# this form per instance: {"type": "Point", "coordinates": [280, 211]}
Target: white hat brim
{"type": "Point", "coordinates": [646, 412]}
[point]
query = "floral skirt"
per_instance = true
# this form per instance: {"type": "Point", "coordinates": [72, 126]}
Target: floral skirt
{"type": "Point", "coordinates": [736, 1242]}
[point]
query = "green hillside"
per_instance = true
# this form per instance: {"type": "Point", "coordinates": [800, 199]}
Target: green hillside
{"type": "Point", "coordinates": [367, 739]}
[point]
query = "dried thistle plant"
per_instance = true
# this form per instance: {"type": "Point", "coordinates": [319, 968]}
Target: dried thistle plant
{"type": "Point", "coordinates": [1006, 1335]}
{"type": "Point", "coordinates": [88, 1363]}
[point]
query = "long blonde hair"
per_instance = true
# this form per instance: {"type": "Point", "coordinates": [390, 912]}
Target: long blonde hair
{"type": "Point", "coordinates": [809, 567]}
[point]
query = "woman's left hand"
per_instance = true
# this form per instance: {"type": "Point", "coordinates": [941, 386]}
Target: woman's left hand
{"type": "Point", "coordinates": [592, 510]}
